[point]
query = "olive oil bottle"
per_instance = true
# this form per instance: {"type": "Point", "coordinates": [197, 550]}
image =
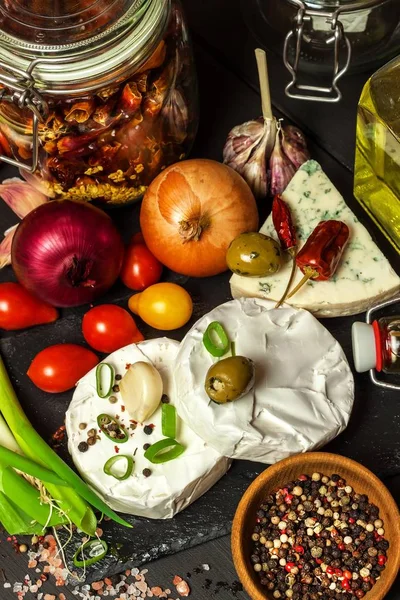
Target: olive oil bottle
{"type": "Point", "coordinates": [377, 166]}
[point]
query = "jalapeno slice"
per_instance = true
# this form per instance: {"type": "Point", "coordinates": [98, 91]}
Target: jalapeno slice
{"type": "Point", "coordinates": [90, 553]}
{"type": "Point", "coordinates": [108, 467]}
{"type": "Point", "coordinates": [112, 429]}
{"type": "Point", "coordinates": [158, 453]}
{"type": "Point", "coordinates": [168, 420]}
{"type": "Point", "coordinates": [221, 345]}
{"type": "Point", "coordinates": [99, 386]}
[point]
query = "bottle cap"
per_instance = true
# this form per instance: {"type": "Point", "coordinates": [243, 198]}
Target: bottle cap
{"type": "Point", "coordinates": [364, 349]}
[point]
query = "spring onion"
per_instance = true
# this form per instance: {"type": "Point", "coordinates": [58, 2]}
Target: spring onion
{"type": "Point", "coordinates": [99, 383]}
{"type": "Point", "coordinates": [27, 498]}
{"type": "Point", "coordinates": [72, 500]}
{"type": "Point", "coordinates": [168, 420]}
{"type": "Point", "coordinates": [215, 339]}
{"type": "Point", "coordinates": [112, 429]}
{"type": "Point", "coordinates": [15, 521]}
{"type": "Point", "coordinates": [90, 553]}
{"type": "Point", "coordinates": [108, 467]}
{"type": "Point", "coordinates": [233, 349]}
{"type": "Point", "coordinates": [26, 465]}
{"type": "Point", "coordinates": [164, 451]}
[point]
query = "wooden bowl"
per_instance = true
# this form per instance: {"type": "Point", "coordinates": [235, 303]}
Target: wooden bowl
{"type": "Point", "coordinates": [362, 481]}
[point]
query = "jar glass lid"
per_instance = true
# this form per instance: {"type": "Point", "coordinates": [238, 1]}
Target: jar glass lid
{"type": "Point", "coordinates": [78, 45]}
{"type": "Point", "coordinates": [59, 21]}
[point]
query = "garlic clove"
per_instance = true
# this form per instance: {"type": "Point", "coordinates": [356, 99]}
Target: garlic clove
{"type": "Point", "coordinates": [294, 145]}
{"type": "Point", "coordinates": [240, 143]}
{"type": "Point", "coordinates": [176, 117]}
{"type": "Point", "coordinates": [5, 247]}
{"type": "Point", "coordinates": [255, 170]}
{"type": "Point", "coordinates": [141, 389]}
{"type": "Point", "coordinates": [247, 151]}
{"type": "Point", "coordinates": [282, 170]}
{"type": "Point", "coordinates": [21, 196]}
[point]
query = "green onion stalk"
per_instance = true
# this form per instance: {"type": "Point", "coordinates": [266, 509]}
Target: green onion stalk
{"type": "Point", "coordinates": [24, 508]}
{"type": "Point", "coordinates": [15, 521]}
{"type": "Point", "coordinates": [73, 498]}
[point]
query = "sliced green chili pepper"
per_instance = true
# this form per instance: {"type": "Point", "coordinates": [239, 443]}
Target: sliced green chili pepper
{"type": "Point", "coordinates": [114, 459]}
{"type": "Point", "coordinates": [233, 349]}
{"type": "Point", "coordinates": [156, 455]}
{"type": "Point", "coordinates": [168, 420]}
{"type": "Point", "coordinates": [112, 429]}
{"type": "Point", "coordinates": [216, 349]}
{"type": "Point", "coordinates": [94, 550]}
{"type": "Point", "coordinates": [99, 387]}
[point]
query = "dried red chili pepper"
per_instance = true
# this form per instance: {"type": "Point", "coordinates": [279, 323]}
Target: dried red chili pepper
{"type": "Point", "coordinates": [58, 435]}
{"type": "Point", "coordinates": [282, 220]}
{"type": "Point", "coordinates": [319, 257]}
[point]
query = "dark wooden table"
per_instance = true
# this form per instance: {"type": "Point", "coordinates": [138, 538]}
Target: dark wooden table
{"type": "Point", "coordinates": [229, 95]}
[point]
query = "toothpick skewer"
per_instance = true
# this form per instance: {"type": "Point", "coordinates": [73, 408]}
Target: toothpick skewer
{"type": "Point", "coordinates": [262, 66]}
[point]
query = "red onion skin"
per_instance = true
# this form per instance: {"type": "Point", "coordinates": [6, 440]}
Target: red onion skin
{"type": "Point", "coordinates": [67, 253]}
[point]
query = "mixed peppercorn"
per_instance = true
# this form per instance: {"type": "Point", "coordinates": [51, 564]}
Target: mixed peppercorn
{"type": "Point", "coordinates": [317, 538]}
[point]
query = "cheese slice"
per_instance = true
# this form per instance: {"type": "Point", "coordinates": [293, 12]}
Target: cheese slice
{"type": "Point", "coordinates": [173, 485]}
{"type": "Point", "coordinates": [364, 275]}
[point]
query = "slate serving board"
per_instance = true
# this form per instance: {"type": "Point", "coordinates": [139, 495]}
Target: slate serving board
{"type": "Point", "coordinates": [371, 437]}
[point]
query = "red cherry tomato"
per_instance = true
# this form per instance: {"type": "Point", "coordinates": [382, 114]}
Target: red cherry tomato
{"type": "Point", "coordinates": [140, 268]}
{"type": "Point", "coordinates": [58, 368]}
{"type": "Point", "coordinates": [109, 327]}
{"type": "Point", "coordinates": [20, 309]}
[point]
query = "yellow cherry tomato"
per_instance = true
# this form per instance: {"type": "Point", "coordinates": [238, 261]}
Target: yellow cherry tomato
{"type": "Point", "coordinates": [163, 306]}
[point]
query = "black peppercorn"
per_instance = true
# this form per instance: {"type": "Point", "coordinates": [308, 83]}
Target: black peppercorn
{"type": "Point", "coordinates": [147, 473]}
{"type": "Point", "coordinates": [146, 447]}
{"type": "Point", "coordinates": [115, 388]}
{"type": "Point", "coordinates": [83, 447]}
{"type": "Point", "coordinates": [148, 430]}
{"type": "Point", "coordinates": [118, 377]}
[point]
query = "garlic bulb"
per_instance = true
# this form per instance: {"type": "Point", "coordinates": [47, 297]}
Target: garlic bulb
{"type": "Point", "coordinates": [294, 145]}
{"type": "Point", "coordinates": [258, 147]}
{"type": "Point", "coordinates": [282, 169]}
{"type": "Point", "coordinates": [141, 389]}
{"type": "Point", "coordinates": [247, 150]}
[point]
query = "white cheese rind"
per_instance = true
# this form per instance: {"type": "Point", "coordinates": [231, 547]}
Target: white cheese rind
{"type": "Point", "coordinates": [364, 275]}
{"type": "Point", "coordinates": [304, 390]}
{"type": "Point", "coordinates": [172, 486]}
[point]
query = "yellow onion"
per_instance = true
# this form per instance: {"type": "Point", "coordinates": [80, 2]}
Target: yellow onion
{"type": "Point", "coordinates": [191, 213]}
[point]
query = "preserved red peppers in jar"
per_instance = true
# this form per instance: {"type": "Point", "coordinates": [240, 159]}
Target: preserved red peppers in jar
{"type": "Point", "coordinates": [106, 104]}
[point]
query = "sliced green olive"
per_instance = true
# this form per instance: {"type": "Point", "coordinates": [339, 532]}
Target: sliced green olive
{"type": "Point", "coordinates": [254, 255]}
{"type": "Point", "coordinates": [230, 379]}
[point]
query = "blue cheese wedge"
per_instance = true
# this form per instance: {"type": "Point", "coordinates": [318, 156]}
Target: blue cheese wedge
{"type": "Point", "coordinates": [364, 276]}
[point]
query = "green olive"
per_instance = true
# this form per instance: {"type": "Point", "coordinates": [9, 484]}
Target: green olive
{"type": "Point", "coordinates": [229, 379]}
{"type": "Point", "coordinates": [254, 255]}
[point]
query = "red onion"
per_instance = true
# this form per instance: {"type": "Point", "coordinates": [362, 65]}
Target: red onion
{"type": "Point", "coordinates": [67, 253]}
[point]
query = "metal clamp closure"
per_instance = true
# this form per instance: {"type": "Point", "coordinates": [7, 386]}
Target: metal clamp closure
{"type": "Point", "coordinates": [320, 93]}
{"type": "Point", "coordinates": [369, 319]}
{"type": "Point", "coordinates": [19, 88]}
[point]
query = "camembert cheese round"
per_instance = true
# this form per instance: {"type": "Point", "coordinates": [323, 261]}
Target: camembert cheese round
{"type": "Point", "coordinates": [172, 485]}
{"type": "Point", "coordinates": [303, 393]}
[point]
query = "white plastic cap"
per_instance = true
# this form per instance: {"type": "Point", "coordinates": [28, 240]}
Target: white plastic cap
{"type": "Point", "coordinates": [364, 352]}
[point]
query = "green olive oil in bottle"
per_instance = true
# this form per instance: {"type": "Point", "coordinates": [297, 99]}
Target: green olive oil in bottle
{"type": "Point", "coordinates": [377, 166]}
